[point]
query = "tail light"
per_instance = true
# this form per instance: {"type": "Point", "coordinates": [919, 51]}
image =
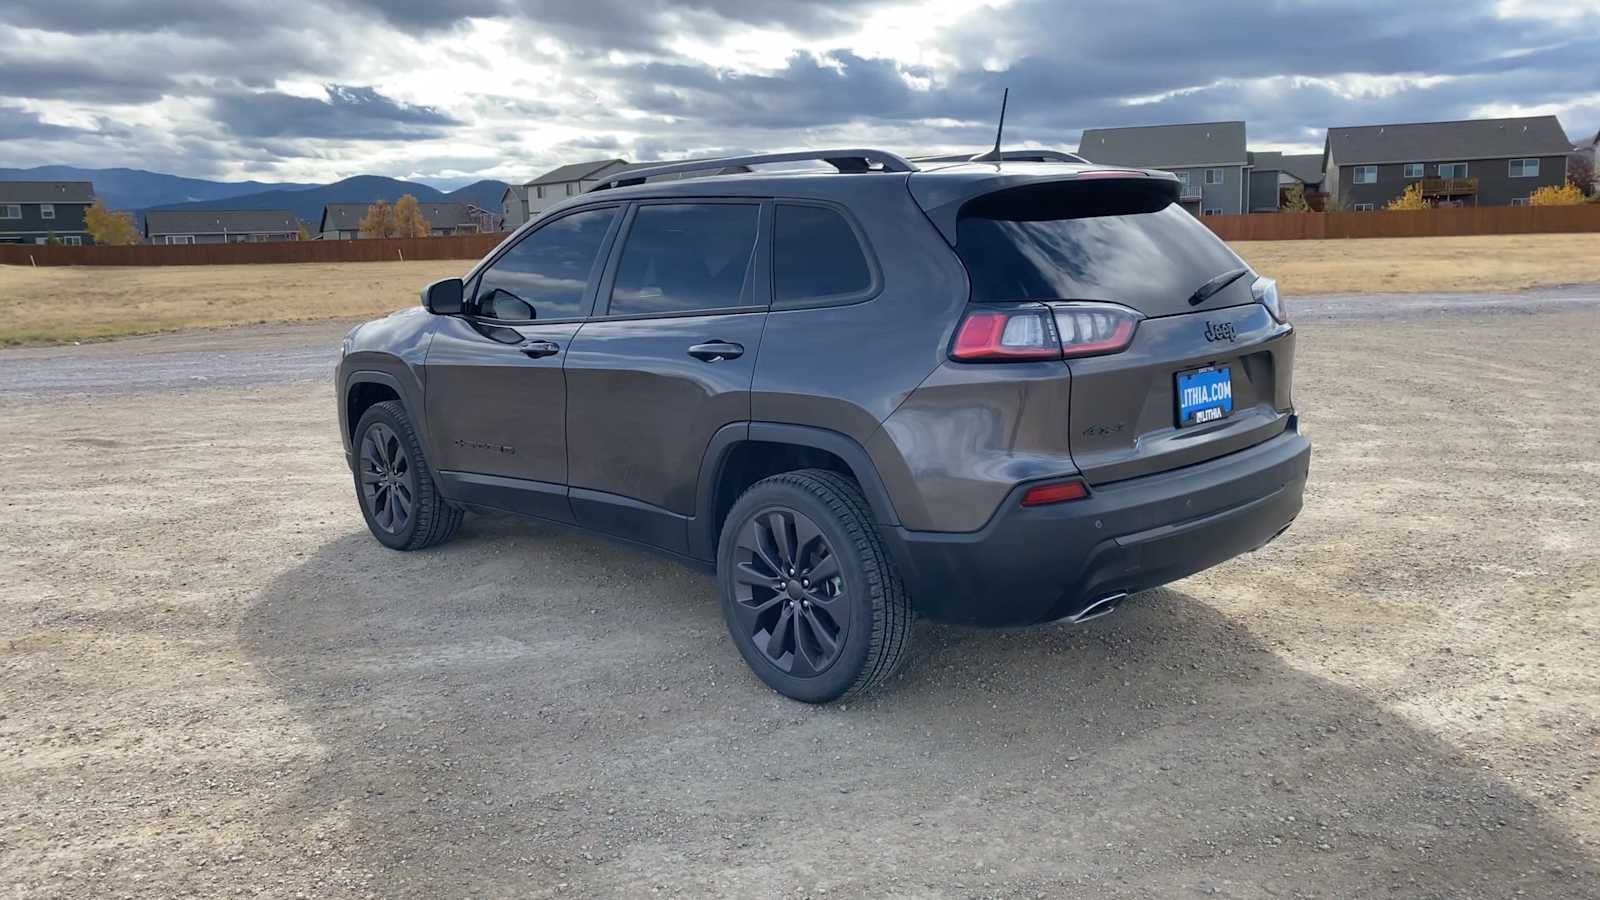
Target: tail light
{"type": "Point", "coordinates": [1095, 329]}
{"type": "Point", "coordinates": [998, 335]}
{"type": "Point", "coordinates": [1265, 290]}
{"type": "Point", "coordinates": [1035, 331]}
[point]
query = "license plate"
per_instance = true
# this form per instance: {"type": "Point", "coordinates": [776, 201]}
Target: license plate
{"type": "Point", "coordinates": [1204, 395]}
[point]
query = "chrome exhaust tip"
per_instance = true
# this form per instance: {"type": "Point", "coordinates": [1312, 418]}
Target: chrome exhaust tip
{"type": "Point", "coordinates": [1105, 606]}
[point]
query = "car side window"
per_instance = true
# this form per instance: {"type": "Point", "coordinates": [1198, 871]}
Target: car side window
{"type": "Point", "coordinates": [815, 255]}
{"type": "Point", "coordinates": [546, 274]}
{"type": "Point", "coordinates": [682, 257]}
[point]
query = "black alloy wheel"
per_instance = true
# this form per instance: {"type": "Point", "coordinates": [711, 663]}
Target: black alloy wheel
{"type": "Point", "coordinates": [810, 596]}
{"type": "Point", "coordinates": [388, 479]}
{"type": "Point", "coordinates": [790, 597]}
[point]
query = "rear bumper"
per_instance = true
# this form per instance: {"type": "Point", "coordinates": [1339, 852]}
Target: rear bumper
{"type": "Point", "coordinates": [1030, 565]}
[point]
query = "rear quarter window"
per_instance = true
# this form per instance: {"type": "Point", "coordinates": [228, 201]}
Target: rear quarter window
{"type": "Point", "coordinates": [816, 257]}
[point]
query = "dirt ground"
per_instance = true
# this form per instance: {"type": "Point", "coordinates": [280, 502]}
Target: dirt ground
{"type": "Point", "coordinates": [54, 304]}
{"type": "Point", "coordinates": [51, 305]}
{"type": "Point", "coordinates": [214, 683]}
{"type": "Point", "coordinates": [1512, 262]}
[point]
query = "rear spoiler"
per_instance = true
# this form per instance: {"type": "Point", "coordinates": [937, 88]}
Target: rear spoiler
{"type": "Point", "coordinates": [942, 198]}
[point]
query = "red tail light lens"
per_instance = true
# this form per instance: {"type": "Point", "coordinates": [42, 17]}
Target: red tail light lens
{"type": "Point", "coordinates": [1094, 329]}
{"type": "Point", "coordinates": [1057, 492]}
{"type": "Point", "coordinates": [1034, 331]}
{"type": "Point", "coordinates": [999, 335]}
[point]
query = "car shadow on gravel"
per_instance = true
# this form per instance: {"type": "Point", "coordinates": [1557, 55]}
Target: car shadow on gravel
{"type": "Point", "coordinates": [532, 712]}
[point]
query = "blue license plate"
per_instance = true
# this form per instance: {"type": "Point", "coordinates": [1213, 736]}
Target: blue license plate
{"type": "Point", "coordinates": [1204, 395]}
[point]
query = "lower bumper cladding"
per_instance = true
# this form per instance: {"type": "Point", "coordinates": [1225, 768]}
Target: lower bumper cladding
{"type": "Point", "coordinates": [1077, 560]}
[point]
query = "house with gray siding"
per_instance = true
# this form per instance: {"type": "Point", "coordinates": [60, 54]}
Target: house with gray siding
{"type": "Point", "coordinates": [32, 212]}
{"type": "Point", "coordinates": [523, 202]}
{"type": "Point", "coordinates": [220, 226]}
{"type": "Point", "coordinates": [1209, 159]}
{"type": "Point", "coordinates": [1477, 162]}
{"type": "Point", "coordinates": [342, 221]}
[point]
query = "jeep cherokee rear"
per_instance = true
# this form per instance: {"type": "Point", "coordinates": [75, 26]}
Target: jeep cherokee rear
{"type": "Point", "coordinates": [991, 394]}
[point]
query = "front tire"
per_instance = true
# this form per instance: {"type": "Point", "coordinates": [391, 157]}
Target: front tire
{"type": "Point", "coordinates": [810, 597]}
{"type": "Point", "coordinates": [395, 485]}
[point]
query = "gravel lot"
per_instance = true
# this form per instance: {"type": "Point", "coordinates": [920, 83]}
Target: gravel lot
{"type": "Point", "coordinates": [214, 683]}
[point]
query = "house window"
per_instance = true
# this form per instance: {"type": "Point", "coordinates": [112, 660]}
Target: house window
{"type": "Point", "coordinates": [1452, 170]}
{"type": "Point", "coordinates": [10, 211]}
{"type": "Point", "coordinates": [180, 238]}
{"type": "Point", "coordinates": [1413, 170]}
{"type": "Point", "coordinates": [539, 191]}
{"type": "Point", "coordinates": [572, 189]}
{"type": "Point", "coordinates": [73, 240]}
{"type": "Point", "coordinates": [1519, 201]}
{"type": "Point", "coordinates": [48, 210]}
{"type": "Point", "coordinates": [1365, 175]}
{"type": "Point", "coordinates": [1524, 168]}
{"type": "Point", "coordinates": [1362, 207]}
{"type": "Point", "coordinates": [1213, 176]}
{"type": "Point", "coordinates": [1212, 212]}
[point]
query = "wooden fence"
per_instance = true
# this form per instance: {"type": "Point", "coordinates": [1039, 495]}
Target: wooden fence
{"type": "Point", "coordinates": [1252, 227]}
{"type": "Point", "coordinates": [1407, 223]}
{"type": "Point", "coordinates": [466, 246]}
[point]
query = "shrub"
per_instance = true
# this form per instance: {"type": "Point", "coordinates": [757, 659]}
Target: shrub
{"type": "Point", "coordinates": [1565, 195]}
{"type": "Point", "coordinates": [1411, 199]}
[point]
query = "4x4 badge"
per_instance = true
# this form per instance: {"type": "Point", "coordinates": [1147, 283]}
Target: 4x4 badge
{"type": "Point", "coordinates": [1220, 331]}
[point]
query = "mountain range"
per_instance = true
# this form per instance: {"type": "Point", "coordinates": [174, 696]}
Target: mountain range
{"type": "Point", "coordinates": [137, 190]}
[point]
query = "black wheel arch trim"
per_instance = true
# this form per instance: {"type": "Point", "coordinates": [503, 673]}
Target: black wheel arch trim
{"type": "Point", "coordinates": [389, 380]}
{"type": "Point", "coordinates": [703, 527]}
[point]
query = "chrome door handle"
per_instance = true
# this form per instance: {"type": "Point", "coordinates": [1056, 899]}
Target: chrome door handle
{"type": "Point", "coordinates": [540, 349]}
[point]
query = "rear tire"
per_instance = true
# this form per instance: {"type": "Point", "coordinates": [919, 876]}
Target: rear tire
{"type": "Point", "coordinates": [811, 598]}
{"type": "Point", "coordinates": [394, 483]}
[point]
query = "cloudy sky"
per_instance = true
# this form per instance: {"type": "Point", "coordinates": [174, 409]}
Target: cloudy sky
{"type": "Point", "coordinates": [449, 90]}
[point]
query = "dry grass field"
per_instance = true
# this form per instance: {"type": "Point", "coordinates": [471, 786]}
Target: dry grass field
{"type": "Point", "coordinates": [53, 305]}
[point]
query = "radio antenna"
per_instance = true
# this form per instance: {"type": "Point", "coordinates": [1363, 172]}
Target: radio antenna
{"type": "Point", "coordinates": [995, 155]}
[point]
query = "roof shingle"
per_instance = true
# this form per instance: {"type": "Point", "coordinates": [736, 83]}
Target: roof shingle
{"type": "Point", "coordinates": [1167, 146]}
{"type": "Point", "coordinates": [220, 221]}
{"type": "Point", "coordinates": [1431, 141]}
{"type": "Point", "coordinates": [47, 191]}
{"type": "Point", "coordinates": [579, 171]}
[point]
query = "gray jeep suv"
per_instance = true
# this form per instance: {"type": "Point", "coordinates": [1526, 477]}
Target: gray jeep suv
{"type": "Point", "coordinates": [993, 394]}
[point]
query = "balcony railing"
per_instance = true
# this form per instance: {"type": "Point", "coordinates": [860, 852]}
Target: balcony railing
{"type": "Point", "coordinates": [1187, 192]}
{"type": "Point", "coordinates": [1448, 187]}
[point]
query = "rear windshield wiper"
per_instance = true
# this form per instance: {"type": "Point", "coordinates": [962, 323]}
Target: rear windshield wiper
{"type": "Point", "coordinates": [1209, 289]}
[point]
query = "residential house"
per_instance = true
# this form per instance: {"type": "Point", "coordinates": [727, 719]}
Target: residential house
{"type": "Point", "coordinates": [32, 212]}
{"type": "Point", "coordinates": [220, 226]}
{"type": "Point", "coordinates": [1590, 153]}
{"type": "Point", "coordinates": [342, 221]}
{"type": "Point", "coordinates": [522, 202]}
{"type": "Point", "coordinates": [1478, 162]}
{"type": "Point", "coordinates": [1209, 159]}
{"type": "Point", "coordinates": [1272, 174]}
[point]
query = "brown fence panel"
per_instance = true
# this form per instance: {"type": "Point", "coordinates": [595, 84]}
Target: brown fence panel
{"type": "Point", "coordinates": [1408, 223]}
{"type": "Point", "coordinates": [466, 246]}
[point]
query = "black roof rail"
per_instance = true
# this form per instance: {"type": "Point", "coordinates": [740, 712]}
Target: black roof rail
{"type": "Point", "coordinates": [1010, 156]}
{"type": "Point", "coordinates": [854, 160]}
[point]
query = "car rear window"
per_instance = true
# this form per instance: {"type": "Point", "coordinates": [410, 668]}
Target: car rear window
{"type": "Point", "coordinates": [1102, 241]}
{"type": "Point", "coordinates": [816, 255]}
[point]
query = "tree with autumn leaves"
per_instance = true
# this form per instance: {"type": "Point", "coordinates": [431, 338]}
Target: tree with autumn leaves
{"type": "Point", "coordinates": [403, 219]}
{"type": "Point", "coordinates": [108, 227]}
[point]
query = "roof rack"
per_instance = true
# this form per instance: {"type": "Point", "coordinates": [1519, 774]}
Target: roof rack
{"type": "Point", "coordinates": [856, 160]}
{"type": "Point", "coordinates": [1010, 156]}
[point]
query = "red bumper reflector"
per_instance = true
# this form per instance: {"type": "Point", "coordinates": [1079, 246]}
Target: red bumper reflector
{"type": "Point", "coordinates": [1058, 492]}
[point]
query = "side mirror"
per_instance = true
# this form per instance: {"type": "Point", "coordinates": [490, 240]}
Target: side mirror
{"type": "Point", "coordinates": [443, 297]}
